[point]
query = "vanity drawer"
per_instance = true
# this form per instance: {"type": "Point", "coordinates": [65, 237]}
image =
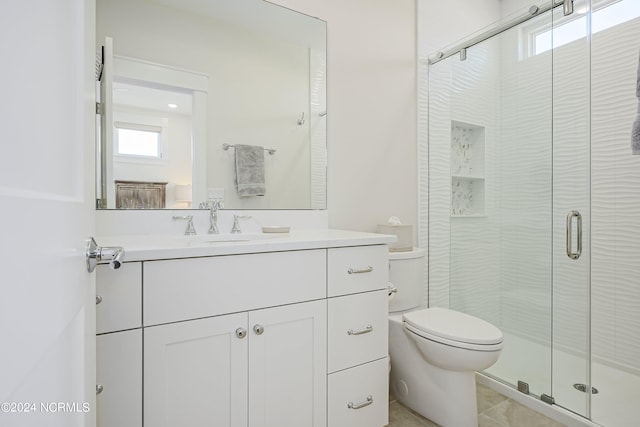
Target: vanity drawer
{"type": "Point", "coordinates": [357, 269]}
{"type": "Point", "coordinates": [183, 289]}
{"type": "Point", "coordinates": [358, 329]}
{"type": "Point", "coordinates": [351, 390]}
{"type": "Point", "coordinates": [118, 297]}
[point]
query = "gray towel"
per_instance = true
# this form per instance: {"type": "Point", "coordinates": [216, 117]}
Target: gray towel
{"type": "Point", "coordinates": [250, 170]}
{"type": "Point", "coordinates": [635, 133]}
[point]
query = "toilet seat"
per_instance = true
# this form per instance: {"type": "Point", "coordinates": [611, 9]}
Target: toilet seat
{"type": "Point", "coordinates": [454, 328]}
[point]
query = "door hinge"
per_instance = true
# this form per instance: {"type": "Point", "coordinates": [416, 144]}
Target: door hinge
{"type": "Point", "coordinates": [99, 108]}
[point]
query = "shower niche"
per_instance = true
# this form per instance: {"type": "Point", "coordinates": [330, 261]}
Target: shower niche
{"type": "Point", "coordinates": [468, 183]}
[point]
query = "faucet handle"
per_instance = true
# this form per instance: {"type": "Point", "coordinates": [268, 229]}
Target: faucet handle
{"type": "Point", "coordinates": [213, 219]}
{"type": "Point", "coordinates": [190, 230]}
{"type": "Point", "coordinates": [236, 223]}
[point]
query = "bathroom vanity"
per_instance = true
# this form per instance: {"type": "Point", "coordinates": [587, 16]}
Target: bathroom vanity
{"type": "Point", "coordinates": [269, 331]}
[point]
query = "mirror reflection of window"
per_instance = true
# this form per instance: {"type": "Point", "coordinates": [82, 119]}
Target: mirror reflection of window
{"type": "Point", "coordinates": [137, 140]}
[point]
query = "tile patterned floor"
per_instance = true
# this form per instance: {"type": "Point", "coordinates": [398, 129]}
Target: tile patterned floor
{"type": "Point", "coordinates": [494, 410]}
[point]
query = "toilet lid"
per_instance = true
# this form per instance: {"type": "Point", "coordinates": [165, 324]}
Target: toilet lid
{"type": "Point", "coordinates": [453, 325]}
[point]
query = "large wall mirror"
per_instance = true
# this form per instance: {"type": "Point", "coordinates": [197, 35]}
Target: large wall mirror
{"type": "Point", "coordinates": [198, 96]}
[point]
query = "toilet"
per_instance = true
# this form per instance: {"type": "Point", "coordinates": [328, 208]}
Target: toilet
{"type": "Point", "coordinates": [435, 352]}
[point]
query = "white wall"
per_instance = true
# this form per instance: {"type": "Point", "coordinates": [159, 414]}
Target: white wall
{"type": "Point", "coordinates": [442, 23]}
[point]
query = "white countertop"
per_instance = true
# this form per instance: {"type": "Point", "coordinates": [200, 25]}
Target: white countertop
{"type": "Point", "coordinates": [157, 247]}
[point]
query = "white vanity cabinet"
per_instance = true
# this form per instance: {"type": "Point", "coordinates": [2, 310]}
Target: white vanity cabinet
{"type": "Point", "coordinates": [254, 367]}
{"type": "Point", "coordinates": [287, 334]}
{"type": "Point", "coordinates": [259, 368]}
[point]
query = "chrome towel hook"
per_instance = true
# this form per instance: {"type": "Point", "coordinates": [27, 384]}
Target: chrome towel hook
{"type": "Point", "coordinates": [301, 120]}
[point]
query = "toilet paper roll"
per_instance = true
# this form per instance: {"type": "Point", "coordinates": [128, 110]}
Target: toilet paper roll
{"type": "Point", "coordinates": [392, 290]}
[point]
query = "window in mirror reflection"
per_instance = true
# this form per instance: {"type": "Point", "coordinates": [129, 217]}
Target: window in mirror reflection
{"type": "Point", "coordinates": [134, 140]}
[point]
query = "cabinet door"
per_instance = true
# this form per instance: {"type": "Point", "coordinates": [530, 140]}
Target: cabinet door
{"type": "Point", "coordinates": [195, 373]}
{"type": "Point", "coordinates": [118, 297]}
{"type": "Point", "coordinates": [288, 366]}
{"type": "Point", "coordinates": [119, 375]}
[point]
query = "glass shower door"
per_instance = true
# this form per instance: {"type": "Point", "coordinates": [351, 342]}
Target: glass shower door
{"type": "Point", "coordinates": [490, 188]}
{"type": "Point", "coordinates": [568, 42]}
{"type": "Point", "coordinates": [615, 203]}
{"type": "Point", "coordinates": [520, 214]}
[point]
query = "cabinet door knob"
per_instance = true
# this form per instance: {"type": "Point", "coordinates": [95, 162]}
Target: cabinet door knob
{"type": "Point", "coordinates": [241, 333]}
{"type": "Point", "coordinates": [98, 299]}
{"type": "Point", "coordinates": [258, 329]}
{"type": "Point", "coordinates": [99, 388]}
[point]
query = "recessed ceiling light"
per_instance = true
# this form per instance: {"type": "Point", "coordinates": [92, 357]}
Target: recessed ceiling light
{"type": "Point", "coordinates": [172, 105]}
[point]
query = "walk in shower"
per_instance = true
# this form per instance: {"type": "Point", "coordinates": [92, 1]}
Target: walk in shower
{"type": "Point", "coordinates": [533, 199]}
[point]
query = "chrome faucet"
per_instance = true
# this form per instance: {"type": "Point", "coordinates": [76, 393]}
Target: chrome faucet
{"type": "Point", "coordinates": [190, 230]}
{"type": "Point", "coordinates": [236, 223]}
{"type": "Point", "coordinates": [213, 216]}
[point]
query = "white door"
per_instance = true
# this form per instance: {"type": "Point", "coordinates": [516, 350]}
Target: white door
{"type": "Point", "coordinates": [288, 366]}
{"type": "Point", "coordinates": [47, 355]}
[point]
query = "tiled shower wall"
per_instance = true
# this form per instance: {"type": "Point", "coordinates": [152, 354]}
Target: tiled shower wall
{"type": "Point", "coordinates": [615, 189]}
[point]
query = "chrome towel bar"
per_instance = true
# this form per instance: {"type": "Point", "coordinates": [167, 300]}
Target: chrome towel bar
{"type": "Point", "coordinates": [226, 146]}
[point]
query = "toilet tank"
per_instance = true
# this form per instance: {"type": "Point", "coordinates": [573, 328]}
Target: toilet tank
{"type": "Point", "coordinates": [406, 273]}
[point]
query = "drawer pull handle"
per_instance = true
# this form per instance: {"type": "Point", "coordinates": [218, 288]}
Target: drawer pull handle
{"type": "Point", "coordinates": [359, 271]}
{"type": "Point", "coordinates": [360, 405]}
{"type": "Point", "coordinates": [366, 330]}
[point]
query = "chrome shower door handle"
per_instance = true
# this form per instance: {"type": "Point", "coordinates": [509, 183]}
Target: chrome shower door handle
{"type": "Point", "coordinates": [570, 252]}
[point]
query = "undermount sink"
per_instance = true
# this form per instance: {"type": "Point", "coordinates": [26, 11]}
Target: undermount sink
{"type": "Point", "coordinates": [209, 239]}
{"type": "Point", "coordinates": [165, 241]}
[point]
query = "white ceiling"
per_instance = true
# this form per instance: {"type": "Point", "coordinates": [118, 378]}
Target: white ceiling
{"type": "Point", "coordinates": [259, 15]}
{"type": "Point", "coordinates": [147, 98]}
